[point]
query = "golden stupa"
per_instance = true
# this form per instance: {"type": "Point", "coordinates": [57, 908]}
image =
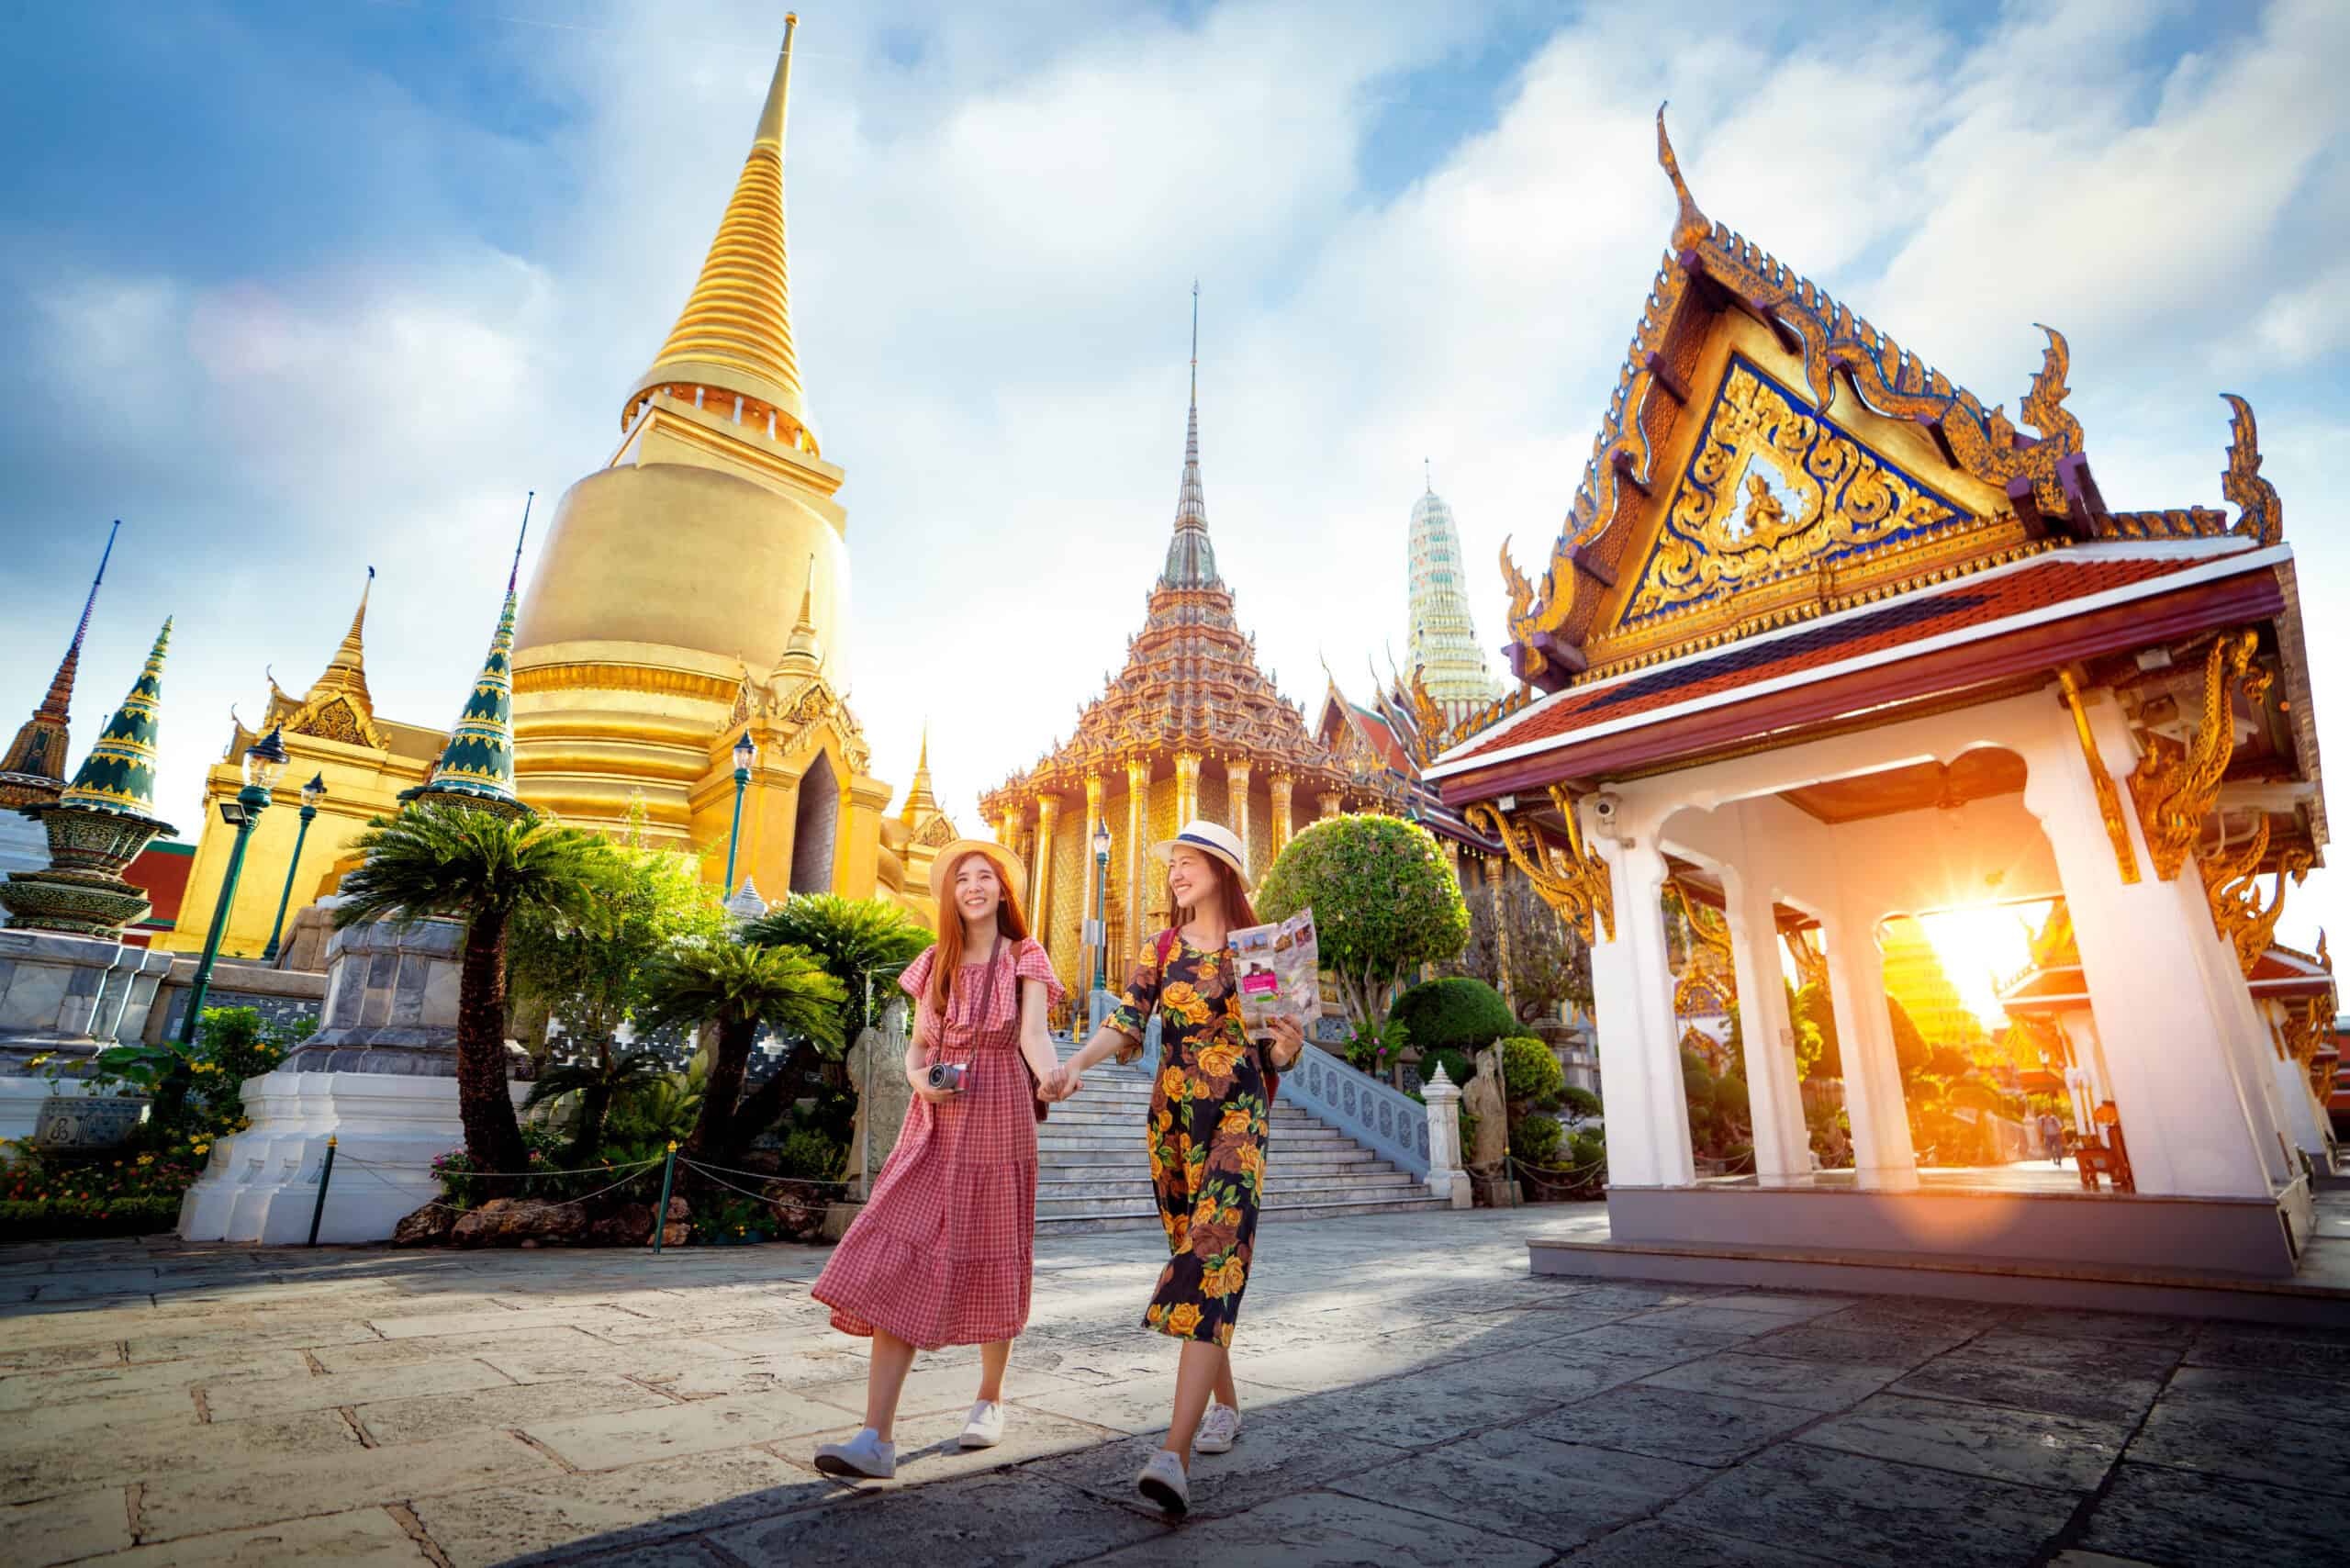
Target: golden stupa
{"type": "Point", "coordinates": [696, 586]}
{"type": "Point", "coordinates": [694, 590]}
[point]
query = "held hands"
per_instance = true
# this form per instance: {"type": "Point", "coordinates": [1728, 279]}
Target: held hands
{"type": "Point", "coordinates": [1289, 1040]}
{"type": "Point", "coordinates": [1059, 1086]}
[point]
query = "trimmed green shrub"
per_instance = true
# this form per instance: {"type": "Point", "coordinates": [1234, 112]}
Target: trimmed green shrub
{"type": "Point", "coordinates": [1455, 1013]}
{"type": "Point", "coordinates": [1535, 1140]}
{"type": "Point", "coordinates": [807, 1155]}
{"type": "Point", "coordinates": [1384, 902]}
{"type": "Point", "coordinates": [1580, 1103]}
{"type": "Point", "coordinates": [1531, 1076]}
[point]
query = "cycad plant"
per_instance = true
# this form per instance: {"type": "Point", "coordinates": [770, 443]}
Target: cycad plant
{"type": "Point", "coordinates": [739, 988]}
{"type": "Point", "coordinates": [481, 867]}
{"type": "Point", "coordinates": [865, 944]}
{"type": "Point", "coordinates": [597, 1082]}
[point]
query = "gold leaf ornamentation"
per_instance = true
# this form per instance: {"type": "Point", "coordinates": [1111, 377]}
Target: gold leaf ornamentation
{"type": "Point", "coordinates": [2176, 785]}
{"type": "Point", "coordinates": [1573, 881]}
{"type": "Point", "coordinates": [2109, 800]}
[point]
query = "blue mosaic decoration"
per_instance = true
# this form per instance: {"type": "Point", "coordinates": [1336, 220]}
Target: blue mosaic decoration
{"type": "Point", "coordinates": [1774, 487]}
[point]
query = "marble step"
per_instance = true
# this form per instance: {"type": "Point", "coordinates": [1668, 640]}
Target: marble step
{"type": "Point", "coordinates": [1080, 1168]}
{"type": "Point", "coordinates": [1313, 1137]}
{"type": "Point", "coordinates": [1126, 1218]}
{"type": "Point", "coordinates": [1129, 1195]}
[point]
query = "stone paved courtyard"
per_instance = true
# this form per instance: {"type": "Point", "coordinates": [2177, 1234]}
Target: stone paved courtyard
{"type": "Point", "coordinates": [1413, 1395]}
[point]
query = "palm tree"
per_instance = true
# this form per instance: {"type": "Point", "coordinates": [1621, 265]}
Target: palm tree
{"type": "Point", "coordinates": [481, 867]}
{"type": "Point", "coordinates": [865, 944]}
{"type": "Point", "coordinates": [600, 1083]}
{"type": "Point", "coordinates": [740, 989]}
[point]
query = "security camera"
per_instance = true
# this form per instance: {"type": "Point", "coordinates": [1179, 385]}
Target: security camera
{"type": "Point", "coordinates": [1604, 812]}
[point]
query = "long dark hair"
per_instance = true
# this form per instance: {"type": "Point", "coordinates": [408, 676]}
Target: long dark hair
{"type": "Point", "coordinates": [949, 958]}
{"type": "Point", "coordinates": [1238, 911]}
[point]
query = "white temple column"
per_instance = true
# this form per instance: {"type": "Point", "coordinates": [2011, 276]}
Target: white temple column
{"type": "Point", "coordinates": [1639, 1051]}
{"type": "Point", "coordinates": [1782, 1143]}
{"type": "Point", "coordinates": [1883, 1156]}
{"type": "Point", "coordinates": [2191, 1127]}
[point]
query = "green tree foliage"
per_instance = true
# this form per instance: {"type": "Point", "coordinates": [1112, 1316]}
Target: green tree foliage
{"type": "Point", "coordinates": [483, 868]}
{"type": "Point", "coordinates": [739, 988]}
{"type": "Point", "coordinates": [594, 1083]}
{"type": "Point", "coordinates": [1454, 1014]}
{"type": "Point", "coordinates": [858, 941]}
{"type": "Point", "coordinates": [1531, 1076]}
{"type": "Point", "coordinates": [588, 968]}
{"type": "Point", "coordinates": [1384, 902]}
{"type": "Point", "coordinates": [1814, 1010]}
{"type": "Point", "coordinates": [1580, 1103]}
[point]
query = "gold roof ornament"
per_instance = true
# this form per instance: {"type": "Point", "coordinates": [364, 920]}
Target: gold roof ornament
{"type": "Point", "coordinates": [735, 334]}
{"type": "Point", "coordinates": [804, 653]}
{"type": "Point", "coordinates": [921, 803]}
{"type": "Point", "coordinates": [347, 671]}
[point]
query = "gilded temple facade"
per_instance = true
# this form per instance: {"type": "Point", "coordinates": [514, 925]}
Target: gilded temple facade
{"type": "Point", "coordinates": [1190, 728]}
{"type": "Point", "coordinates": [1828, 640]}
{"type": "Point", "coordinates": [694, 589]}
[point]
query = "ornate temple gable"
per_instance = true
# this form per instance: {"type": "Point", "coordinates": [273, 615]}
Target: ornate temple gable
{"type": "Point", "coordinates": [2022, 492]}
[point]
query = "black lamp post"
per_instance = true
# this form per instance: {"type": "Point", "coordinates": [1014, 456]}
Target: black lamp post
{"type": "Point", "coordinates": [265, 760]}
{"type": "Point", "coordinates": [745, 755]}
{"type": "Point", "coordinates": [1102, 904]}
{"type": "Point", "coordinates": [312, 794]}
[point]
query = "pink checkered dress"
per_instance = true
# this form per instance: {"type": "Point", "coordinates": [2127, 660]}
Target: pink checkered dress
{"type": "Point", "coordinates": [943, 1253]}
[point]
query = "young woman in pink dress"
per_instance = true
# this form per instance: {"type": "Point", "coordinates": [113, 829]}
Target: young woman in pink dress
{"type": "Point", "coordinates": [943, 1252]}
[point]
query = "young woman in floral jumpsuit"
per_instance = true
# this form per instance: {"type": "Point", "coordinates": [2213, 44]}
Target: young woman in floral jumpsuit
{"type": "Point", "coordinates": [1210, 1107]}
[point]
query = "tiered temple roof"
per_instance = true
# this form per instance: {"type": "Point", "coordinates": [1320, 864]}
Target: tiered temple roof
{"type": "Point", "coordinates": [32, 770]}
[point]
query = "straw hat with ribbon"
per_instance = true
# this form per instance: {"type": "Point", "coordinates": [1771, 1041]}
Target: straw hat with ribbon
{"type": "Point", "coordinates": [1007, 866]}
{"type": "Point", "coordinates": [1212, 839]}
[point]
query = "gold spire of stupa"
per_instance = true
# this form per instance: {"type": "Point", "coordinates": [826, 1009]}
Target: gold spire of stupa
{"type": "Point", "coordinates": [347, 671]}
{"type": "Point", "coordinates": [921, 801]}
{"type": "Point", "coordinates": [804, 655]}
{"type": "Point", "coordinates": [735, 334]}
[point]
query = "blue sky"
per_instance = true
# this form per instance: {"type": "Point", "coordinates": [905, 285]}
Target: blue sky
{"type": "Point", "coordinates": [300, 288]}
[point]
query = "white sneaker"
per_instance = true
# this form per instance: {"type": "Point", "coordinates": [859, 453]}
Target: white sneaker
{"type": "Point", "coordinates": [1163, 1481]}
{"type": "Point", "coordinates": [864, 1456]}
{"type": "Point", "coordinates": [985, 1429]}
{"type": "Point", "coordinates": [1219, 1429]}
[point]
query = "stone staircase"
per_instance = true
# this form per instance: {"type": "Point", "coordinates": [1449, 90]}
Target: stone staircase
{"type": "Point", "coordinates": [1094, 1174]}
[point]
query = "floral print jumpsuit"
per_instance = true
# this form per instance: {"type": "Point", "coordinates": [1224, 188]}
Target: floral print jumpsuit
{"type": "Point", "coordinates": [1209, 1110]}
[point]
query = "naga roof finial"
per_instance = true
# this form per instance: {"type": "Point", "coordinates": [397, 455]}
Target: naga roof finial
{"type": "Point", "coordinates": [1691, 225]}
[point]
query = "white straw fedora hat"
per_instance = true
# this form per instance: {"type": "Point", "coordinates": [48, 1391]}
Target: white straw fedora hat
{"type": "Point", "coordinates": [1210, 838]}
{"type": "Point", "coordinates": [1007, 866]}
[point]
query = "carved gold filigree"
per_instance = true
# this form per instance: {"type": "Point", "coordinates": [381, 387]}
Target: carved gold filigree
{"type": "Point", "coordinates": [1831, 341]}
{"type": "Point", "coordinates": [2260, 514]}
{"type": "Point", "coordinates": [2108, 798]}
{"type": "Point", "coordinates": [1771, 486]}
{"type": "Point", "coordinates": [1573, 880]}
{"type": "Point", "coordinates": [1708, 978]}
{"type": "Point", "coordinates": [2176, 785]}
{"type": "Point", "coordinates": [2307, 1028]}
{"type": "Point", "coordinates": [2231, 886]}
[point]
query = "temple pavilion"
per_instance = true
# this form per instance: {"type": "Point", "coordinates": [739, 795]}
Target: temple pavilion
{"type": "Point", "coordinates": [1829, 640]}
{"type": "Point", "coordinates": [1190, 728]}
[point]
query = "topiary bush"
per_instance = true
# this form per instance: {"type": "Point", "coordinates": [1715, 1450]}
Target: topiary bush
{"type": "Point", "coordinates": [1531, 1076]}
{"type": "Point", "coordinates": [1580, 1103]}
{"type": "Point", "coordinates": [1384, 902]}
{"type": "Point", "coordinates": [1535, 1140]}
{"type": "Point", "coordinates": [1455, 1013]}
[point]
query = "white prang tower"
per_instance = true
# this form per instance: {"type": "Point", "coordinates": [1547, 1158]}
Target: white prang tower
{"type": "Point", "coordinates": [1443, 641]}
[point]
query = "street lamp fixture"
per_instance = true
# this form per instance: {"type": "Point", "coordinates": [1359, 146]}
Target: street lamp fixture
{"type": "Point", "coordinates": [1100, 905]}
{"type": "Point", "coordinates": [312, 794]}
{"type": "Point", "coordinates": [265, 760]}
{"type": "Point", "coordinates": [746, 753]}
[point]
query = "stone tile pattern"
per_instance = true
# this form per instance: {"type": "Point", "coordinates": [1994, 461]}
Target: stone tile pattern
{"type": "Point", "coordinates": [1413, 1395]}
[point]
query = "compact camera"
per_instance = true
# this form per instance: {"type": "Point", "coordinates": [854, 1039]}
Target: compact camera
{"type": "Point", "coordinates": [946, 1076]}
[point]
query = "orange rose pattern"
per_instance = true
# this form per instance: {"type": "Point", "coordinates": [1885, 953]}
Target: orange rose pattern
{"type": "Point", "coordinates": [1209, 1119]}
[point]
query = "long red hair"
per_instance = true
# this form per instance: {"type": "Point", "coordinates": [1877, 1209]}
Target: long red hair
{"type": "Point", "coordinates": [949, 958]}
{"type": "Point", "coordinates": [1238, 911]}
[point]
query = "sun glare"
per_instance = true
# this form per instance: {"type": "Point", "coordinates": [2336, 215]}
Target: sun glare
{"type": "Point", "coordinates": [1982, 948]}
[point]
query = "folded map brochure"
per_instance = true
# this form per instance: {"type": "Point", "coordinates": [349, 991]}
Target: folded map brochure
{"type": "Point", "coordinates": [1280, 973]}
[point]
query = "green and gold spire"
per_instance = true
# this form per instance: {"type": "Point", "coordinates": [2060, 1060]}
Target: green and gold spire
{"type": "Point", "coordinates": [476, 767]}
{"type": "Point", "coordinates": [118, 776]}
{"type": "Point", "coordinates": [33, 769]}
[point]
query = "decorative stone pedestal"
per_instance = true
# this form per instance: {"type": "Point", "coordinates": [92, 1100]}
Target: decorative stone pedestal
{"type": "Point", "coordinates": [379, 1079]}
{"type": "Point", "coordinates": [67, 998]}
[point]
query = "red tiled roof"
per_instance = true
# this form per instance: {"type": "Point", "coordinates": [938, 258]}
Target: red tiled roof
{"type": "Point", "coordinates": [2036, 584]}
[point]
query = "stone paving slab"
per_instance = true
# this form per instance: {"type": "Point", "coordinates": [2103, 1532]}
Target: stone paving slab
{"type": "Point", "coordinates": [1413, 1395]}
